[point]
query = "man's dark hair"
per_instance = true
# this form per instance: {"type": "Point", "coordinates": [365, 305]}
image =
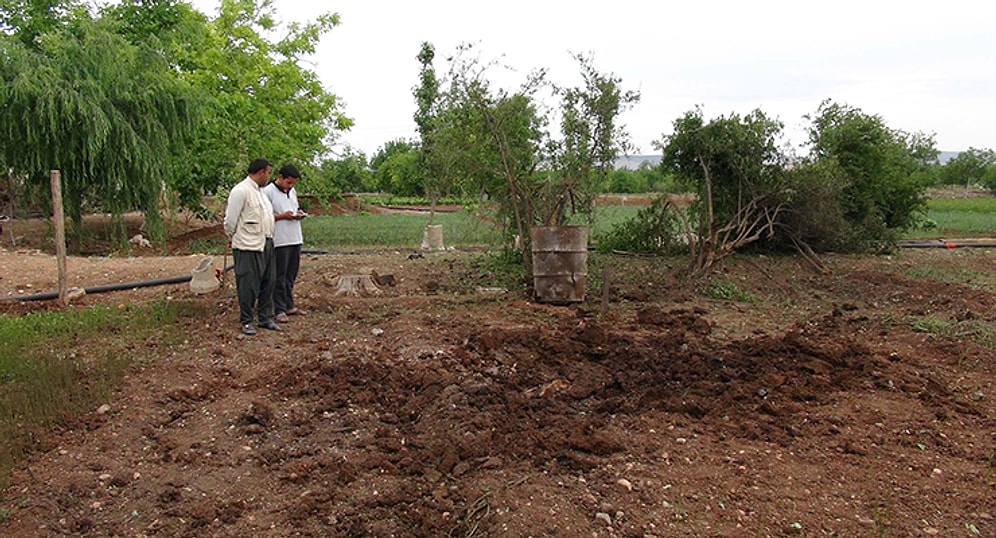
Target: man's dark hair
{"type": "Point", "coordinates": [289, 170]}
{"type": "Point", "coordinates": [258, 164]}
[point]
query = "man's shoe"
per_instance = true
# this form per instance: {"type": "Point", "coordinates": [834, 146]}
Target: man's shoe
{"type": "Point", "coordinates": [281, 317]}
{"type": "Point", "coordinates": [248, 329]}
{"type": "Point", "coordinates": [271, 325]}
{"type": "Point", "coordinates": [297, 312]}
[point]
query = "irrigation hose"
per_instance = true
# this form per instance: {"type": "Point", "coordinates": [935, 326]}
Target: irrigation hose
{"type": "Point", "coordinates": [940, 243]}
{"type": "Point", "coordinates": [47, 296]}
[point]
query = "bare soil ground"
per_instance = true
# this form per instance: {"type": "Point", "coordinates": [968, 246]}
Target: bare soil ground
{"type": "Point", "coordinates": [861, 402]}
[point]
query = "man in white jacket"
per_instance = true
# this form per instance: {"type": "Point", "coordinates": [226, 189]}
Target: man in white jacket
{"type": "Point", "coordinates": [249, 226]}
{"type": "Point", "coordinates": [287, 240]}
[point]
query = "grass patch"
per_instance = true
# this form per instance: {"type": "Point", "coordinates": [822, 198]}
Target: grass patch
{"type": "Point", "coordinates": [729, 292]}
{"type": "Point", "coordinates": [208, 245]}
{"type": "Point", "coordinates": [953, 275]}
{"type": "Point", "coordinates": [45, 381]}
{"type": "Point", "coordinates": [946, 273]}
{"type": "Point", "coordinates": [973, 330]}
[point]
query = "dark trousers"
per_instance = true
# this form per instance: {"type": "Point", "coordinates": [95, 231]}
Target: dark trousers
{"type": "Point", "coordinates": [288, 261]}
{"type": "Point", "coordinates": [255, 274]}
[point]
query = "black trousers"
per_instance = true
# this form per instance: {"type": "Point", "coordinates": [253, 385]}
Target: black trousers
{"type": "Point", "coordinates": [288, 261]}
{"type": "Point", "coordinates": [255, 275]}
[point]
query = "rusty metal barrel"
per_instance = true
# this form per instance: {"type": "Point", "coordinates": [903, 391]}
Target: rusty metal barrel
{"type": "Point", "coordinates": [560, 263]}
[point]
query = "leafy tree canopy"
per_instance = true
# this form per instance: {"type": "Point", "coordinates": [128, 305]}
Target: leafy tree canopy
{"type": "Point", "coordinates": [396, 168]}
{"type": "Point", "coordinates": [884, 168]}
{"type": "Point", "coordinates": [494, 142]}
{"type": "Point", "coordinates": [261, 101]}
{"type": "Point", "coordinates": [349, 172]}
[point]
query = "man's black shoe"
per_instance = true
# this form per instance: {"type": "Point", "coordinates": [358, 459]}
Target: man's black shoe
{"type": "Point", "coordinates": [271, 325]}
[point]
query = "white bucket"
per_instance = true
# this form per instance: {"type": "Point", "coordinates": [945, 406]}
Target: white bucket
{"type": "Point", "coordinates": [203, 279]}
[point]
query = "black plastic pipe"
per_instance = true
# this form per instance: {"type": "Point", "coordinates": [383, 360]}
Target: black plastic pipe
{"type": "Point", "coordinates": [945, 244]}
{"type": "Point", "coordinates": [101, 289]}
{"type": "Point", "coordinates": [47, 296]}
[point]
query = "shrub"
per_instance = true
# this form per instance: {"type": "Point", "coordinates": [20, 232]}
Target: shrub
{"type": "Point", "coordinates": [656, 229]}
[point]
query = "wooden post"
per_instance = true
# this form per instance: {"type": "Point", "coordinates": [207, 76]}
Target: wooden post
{"type": "Point", "coordinates": [59, 220]}
{"type": "Point", "coordinates": [605, 290]}
{"type": "Point", "coordinates": [10, 211]}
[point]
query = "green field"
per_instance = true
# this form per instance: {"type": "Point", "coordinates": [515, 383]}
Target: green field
{"type": "Point", "coordinates": [950, 218]}
{"type": "Point", "coordinates": [404, 230]}
{"type": "Point", "coordinates": [959, 217]}
{"type": "Point", "coordinates": [401, 230]}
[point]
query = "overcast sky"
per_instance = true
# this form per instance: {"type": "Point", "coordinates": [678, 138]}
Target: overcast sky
{"type": "Point", "coordinates": [921, 66]}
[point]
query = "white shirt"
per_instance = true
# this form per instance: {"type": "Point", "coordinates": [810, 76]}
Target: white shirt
{"type": "Point", "coordinates": [286, 232]}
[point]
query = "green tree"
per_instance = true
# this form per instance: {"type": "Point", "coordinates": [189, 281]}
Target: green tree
{"type": "Point", "coordinates": [28, 20]}
{"type": "Point", "coordinates": [883, 169]}
{"type": "Point", "coordinates": [972, 167]}
{"type": "Point", "coordinates": [427, 102]}
{"type": "Point", "coordinates": [80, 98]}
{"type": "Point", "coordinates": [735, 168]}
{"type": "Point", "coordinates": [590, 140]}
{"type": "Point", "coordinates": [497, 140]}
{"type": "Point", "coordinates": [625, 181]}
{"type": "Point", "coordinates": [396, 170]}
{"type": "Point", "coordinates": [249, 68]}
{"type": "Point", "coordinates": [349, 173]}
{"type": "Point", "coordinates": [646, 178]}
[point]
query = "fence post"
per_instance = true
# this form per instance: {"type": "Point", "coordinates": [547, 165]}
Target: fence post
{"type": "Point", "coordinates": [59, 220]}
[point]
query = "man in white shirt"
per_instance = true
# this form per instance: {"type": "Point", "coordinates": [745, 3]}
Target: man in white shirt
{"type": "Point", "coordinates": [287, 240]}
{"type": "Point", "coordinates": [249, 226]}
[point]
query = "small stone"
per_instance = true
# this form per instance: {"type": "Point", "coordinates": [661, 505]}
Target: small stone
{"type": "Point", "coordinates": [604, 517]}
{"type": "Point", "coordinates": [931, 531]}
{"type": "Point", "coordinates": [625, 484]}
{"type": "Point", "coordinates": [103, 409]}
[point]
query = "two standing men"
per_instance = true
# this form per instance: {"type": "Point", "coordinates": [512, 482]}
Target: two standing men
{"type": "Point", "coordinates": [250, 223]}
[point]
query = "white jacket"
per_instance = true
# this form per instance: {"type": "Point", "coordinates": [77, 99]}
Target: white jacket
{"type": "Point", "coordinates": [248, 216]}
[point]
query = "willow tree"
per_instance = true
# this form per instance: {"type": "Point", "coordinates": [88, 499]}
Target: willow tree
{"type": "Point", "coordinates": [107, 113]}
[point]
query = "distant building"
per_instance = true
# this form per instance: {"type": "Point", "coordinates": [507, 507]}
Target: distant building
{"type": "Point", "coordinates": [634, 162]}
{"type": "Point", "coordinates": [945, 156]}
